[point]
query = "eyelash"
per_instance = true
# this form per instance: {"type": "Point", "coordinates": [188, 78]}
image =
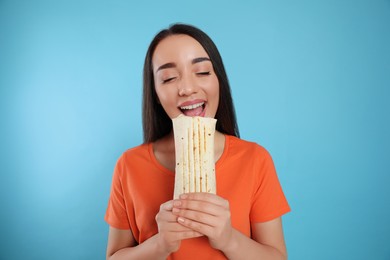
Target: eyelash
{"type": "Point", "coordinates": [205, 73]}
{"type": "Point", "coordinates": [168, 80]}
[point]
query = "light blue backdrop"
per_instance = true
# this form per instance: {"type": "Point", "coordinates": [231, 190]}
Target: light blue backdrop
{"type": "Point", "coordinates": [310, 81]}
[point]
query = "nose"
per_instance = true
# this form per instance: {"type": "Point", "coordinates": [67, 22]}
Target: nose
{"type": "Point", "coordinates": [187, 86]}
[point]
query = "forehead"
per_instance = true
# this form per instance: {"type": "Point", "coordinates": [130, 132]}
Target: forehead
{"type": "Point", "coordinates": [177, 48]}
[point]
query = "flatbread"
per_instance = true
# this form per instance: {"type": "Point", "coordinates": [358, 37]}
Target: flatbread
{"type": "Point", "coordinates": [194, 152]}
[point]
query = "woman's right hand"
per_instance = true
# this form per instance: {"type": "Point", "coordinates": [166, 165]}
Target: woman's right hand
{"type": "Point", "coordinates": [170, 232]}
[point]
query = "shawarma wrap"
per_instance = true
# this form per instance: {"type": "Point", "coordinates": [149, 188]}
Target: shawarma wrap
{"type": "Point", "coordinates": [194, 151]}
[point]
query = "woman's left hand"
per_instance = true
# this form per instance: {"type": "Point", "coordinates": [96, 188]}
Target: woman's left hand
{"type": "Point", "coordinates": [205, 213]}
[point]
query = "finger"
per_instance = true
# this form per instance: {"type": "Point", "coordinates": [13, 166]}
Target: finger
{"type": "Point", "coordinates": [199, 217]}
{"type": "Point", "coordinates": [165, 215]}
{"type": "Point", "coordinates": [167, 206]}
{"type": "Point", "coordinates": [205, 196]}
{"type": "Point", "coordinates": [174, 227]}
{"type": "Point", "coordinates": [189, 234]}
{"type": "Point", "coordinates": [196, 226]}
{"type": "Point", "coordinates": [162, 218]}
{"type": "Point", "coordinates": [197, 205]}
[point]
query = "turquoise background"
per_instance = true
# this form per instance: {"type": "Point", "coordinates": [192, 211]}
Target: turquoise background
{"type": "Point", "coordinates": [310, 81]}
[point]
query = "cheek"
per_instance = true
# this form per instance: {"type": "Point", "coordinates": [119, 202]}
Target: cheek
{"type": "Point", "coordinates": [214, 90]}
{"type": "Point", "coordinates": [165, 95]}
{"type": "Point", "coordinates": [213, 96]}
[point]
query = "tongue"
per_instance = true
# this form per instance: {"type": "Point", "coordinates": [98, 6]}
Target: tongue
{"type": "Point", "coordinates": [193, 112]}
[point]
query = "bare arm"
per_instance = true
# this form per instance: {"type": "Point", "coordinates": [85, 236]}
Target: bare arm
{"type": "Point", "coordinates": [267, 243]}
{"type": "Point", "coordinates": [122, 244]}
{"type": "Point", "coordinates": [209, 214]}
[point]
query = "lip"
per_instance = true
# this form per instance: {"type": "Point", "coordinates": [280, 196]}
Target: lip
{"type": "Point", "coordinates": [203, 114]}
{"type": "Point", "coordinates": [191, 102]}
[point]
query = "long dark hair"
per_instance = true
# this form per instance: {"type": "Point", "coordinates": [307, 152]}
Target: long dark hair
{"type": "Point", "coordinates": [156, 123]}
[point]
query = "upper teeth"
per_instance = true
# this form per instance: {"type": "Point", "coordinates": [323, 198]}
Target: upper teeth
{"type": "Point", "coordinates": [192, 106]}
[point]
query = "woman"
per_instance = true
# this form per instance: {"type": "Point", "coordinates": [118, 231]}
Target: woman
{"type": "Point", "coordinates": [184, 74]}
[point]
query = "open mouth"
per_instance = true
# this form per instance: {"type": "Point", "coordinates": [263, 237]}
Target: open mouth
{"type": "Point", "coordinates": [194, 109]}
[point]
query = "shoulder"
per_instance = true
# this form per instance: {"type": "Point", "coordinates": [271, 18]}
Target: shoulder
{"type": "Point", "coordinates": [136, 151]}
{"type": "Point", "coordinates": [238, 145]}
{"type": "Point", "coordinates": [133, 160]}
{"type": "Point", "coordinates": [135, 154]}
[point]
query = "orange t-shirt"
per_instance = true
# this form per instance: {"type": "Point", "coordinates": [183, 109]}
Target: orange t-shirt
{"type": "Point", "coordinates": [245, 176]}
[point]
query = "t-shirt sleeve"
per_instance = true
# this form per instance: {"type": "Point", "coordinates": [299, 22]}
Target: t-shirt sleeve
{"type": "Point", "coordinates": [269, 201]}
{"type": "Point", "coordinates": [116, 214]}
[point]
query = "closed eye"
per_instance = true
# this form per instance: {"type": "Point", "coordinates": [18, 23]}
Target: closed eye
{"type": "Point", "coordinates": [168, 80]}
{"type": "Point", "coordinates": [203, 73]}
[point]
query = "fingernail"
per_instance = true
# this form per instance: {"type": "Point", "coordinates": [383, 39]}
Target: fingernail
{"type": "Point", "coordinates": [183, 196]}
{"type": "Point", "coordinates": [177, 203]}
{"type": "Point", "coordinates": [175, 210]}
{"type": "Point", "coordinates": [180, 219]}
{"type": "Point", "coordinates": [167, 206]}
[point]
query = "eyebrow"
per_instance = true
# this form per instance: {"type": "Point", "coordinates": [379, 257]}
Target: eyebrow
{"type": "Point", "coordinates": [200, 59]}
{"type": "Point", "coordinates": [167, 66]}
{"type": "Point", "coordinates": [170, 65]}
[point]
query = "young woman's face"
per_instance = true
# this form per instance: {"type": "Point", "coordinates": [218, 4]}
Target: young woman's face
{"type": "Point", "coordinates": [184, 78]}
